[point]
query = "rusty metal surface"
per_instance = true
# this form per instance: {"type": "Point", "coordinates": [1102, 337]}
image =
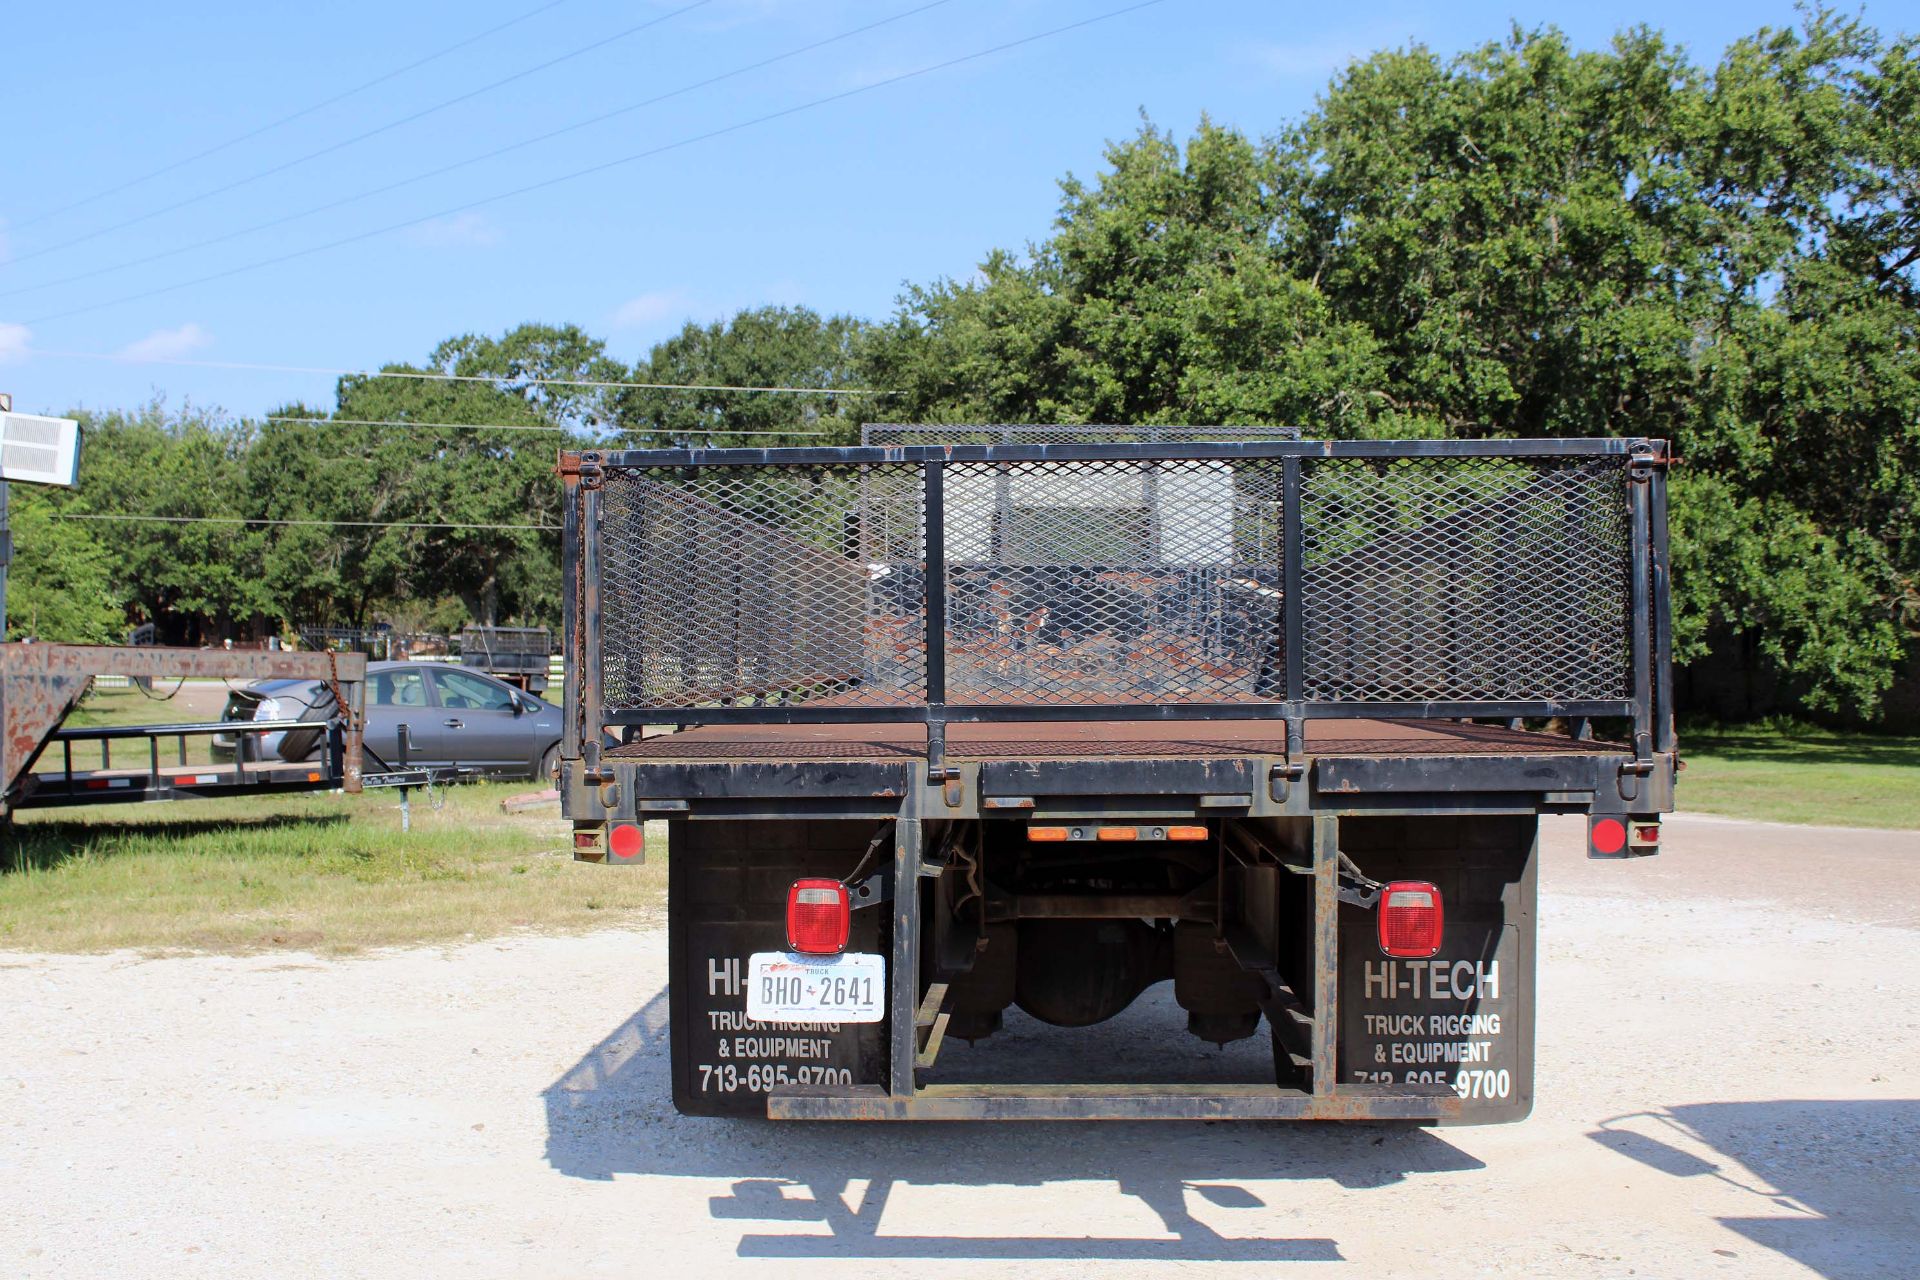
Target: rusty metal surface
{"type": "Point", "coordinates": [1115, 1102]}
{"type": "Point", "coordinates": [1100, 738]}
{"type": "Point", "coordinates": [41, 683]}
{"type": "Point", "coordinates": [151, 660]}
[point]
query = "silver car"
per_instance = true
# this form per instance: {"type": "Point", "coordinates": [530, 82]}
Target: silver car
{"type": "Point", "coordinates": [454, 718]}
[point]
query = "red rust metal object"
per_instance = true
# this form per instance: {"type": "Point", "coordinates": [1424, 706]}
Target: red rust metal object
{"type": "Point", "coordinates": [41, 683]}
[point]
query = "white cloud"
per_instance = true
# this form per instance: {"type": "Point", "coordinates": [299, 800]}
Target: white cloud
{"type": "Point", "coordinates": [168, 344]}
{"type": "Point", "coordinates": [649, 309]}
{"type": "Point", "coordinates": [14, 342]}
{"type": "Point", "coordinates": [460, 231]}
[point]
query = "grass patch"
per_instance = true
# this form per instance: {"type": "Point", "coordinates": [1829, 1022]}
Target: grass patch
{"type": "Point", "coordinates": [320, 872]}
{"type": "Point", "coordinates": [1781, 771]}
{"type": "Point", "coordinates": [182, 702]}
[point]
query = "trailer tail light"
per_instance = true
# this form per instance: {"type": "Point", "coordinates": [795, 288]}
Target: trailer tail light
{"type": "Point", "coordinates": [1047, 835]}
{"type": "Point", "coordinates": [1643, 836]}
{"type": "Point", "coordinates": [627, 841]}
{"type": "Point", "coordinates": [818, 917]}
{"type": "Point", "coordinates": [1412, 919]}
{"type": "Point", "coordinates": [1606, 836]}
{"type": "Point", "coordinates": [1119, 833]}
{"type": "Point", "coordinates": [1186, 833]}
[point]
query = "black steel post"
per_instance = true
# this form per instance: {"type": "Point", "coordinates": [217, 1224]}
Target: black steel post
{"type": "Point", "coordinates": [1664, 738]}
{"type": "Point", "coordinates": [1326, 953]}
{"type": "Point", "coordinates": [904, 988]}
{"type": "Point", "coordinates": [588, 681]}
{"type": "Point", "coordinates": [570, 637]}
{"type": "Point", "coordinates": [934, 532]}
{"type": "Point", "coordinates": [1640, 624]}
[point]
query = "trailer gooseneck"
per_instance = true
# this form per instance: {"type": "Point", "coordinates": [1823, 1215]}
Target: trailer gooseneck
{"type": "Point", "coordinates": [944, 729]}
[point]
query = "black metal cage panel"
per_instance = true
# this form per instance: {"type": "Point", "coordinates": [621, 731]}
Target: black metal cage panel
{"type": "Point", "coordinates": [1257, 578]}
{"type": "Point", "coordinates": [1465, 579]}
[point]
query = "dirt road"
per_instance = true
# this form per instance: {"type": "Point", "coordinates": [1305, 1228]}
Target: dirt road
{"type": "Point", "coordinates": [1729, 1084]}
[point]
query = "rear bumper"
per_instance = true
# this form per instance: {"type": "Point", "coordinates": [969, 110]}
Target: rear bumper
{"type": "Point", "coordinates": [1115, 1102]}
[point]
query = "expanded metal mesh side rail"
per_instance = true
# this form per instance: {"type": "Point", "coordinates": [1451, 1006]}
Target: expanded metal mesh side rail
{"type": "Point", "coordinates": [1259, 579]}
{"type": "Point", "coordinates": [514, 640]}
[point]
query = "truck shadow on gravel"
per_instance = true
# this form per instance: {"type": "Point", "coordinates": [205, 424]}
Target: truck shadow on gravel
{"type": "Point", "coordinates": [1835, 1185]}
{"type": "Point", "coordinates": [612, 1114]}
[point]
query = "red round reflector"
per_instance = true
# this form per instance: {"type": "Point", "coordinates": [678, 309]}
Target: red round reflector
{"type": "Point", "coordinates": [1607, 835]}
{"type": "Point", "coordinates": [627, 840]}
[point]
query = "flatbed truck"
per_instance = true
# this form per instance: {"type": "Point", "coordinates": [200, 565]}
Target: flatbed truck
{"type": "Point", "coordinates": [944, 730]}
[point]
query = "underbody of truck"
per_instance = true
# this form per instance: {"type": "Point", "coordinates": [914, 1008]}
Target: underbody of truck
{"type": "Point", "coordinates": [946, 730]}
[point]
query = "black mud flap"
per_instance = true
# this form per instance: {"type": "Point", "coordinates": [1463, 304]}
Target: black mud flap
{"type": "Point", "coordinates": [1465, 1017]}
{"type": "Point", "coordinates": [726, 899]}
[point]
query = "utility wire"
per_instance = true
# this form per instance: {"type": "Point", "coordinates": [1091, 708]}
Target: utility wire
{"type": "Point", "coordinates": [250, 520]}
{"type": "Point", "coordinates": [361, 137]}
{"type": "Point", "coordinates": [470, 161]}
{"type": "Point", "coordinates": [603, 166]}
{"type": "Point", "coordinates": [425, 376]}
{"type": "Point", "coordinates": [288, 119]}
{"type": "Point", "coordinates": [519, 426]}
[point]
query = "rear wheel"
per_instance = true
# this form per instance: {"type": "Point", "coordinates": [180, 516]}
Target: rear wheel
{"type": "Point", "coordinates": [550, 766]}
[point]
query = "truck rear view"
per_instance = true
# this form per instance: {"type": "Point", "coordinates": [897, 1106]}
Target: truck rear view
{"type": "Point", "coordinates": [946, 730]}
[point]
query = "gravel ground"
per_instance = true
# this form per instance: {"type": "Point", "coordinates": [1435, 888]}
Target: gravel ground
{"type": "Point", "coordinates": [1728, 1082]}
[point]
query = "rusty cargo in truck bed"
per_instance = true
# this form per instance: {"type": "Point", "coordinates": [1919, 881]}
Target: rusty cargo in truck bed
{"type": "Point", "coordinates": [967, 720]}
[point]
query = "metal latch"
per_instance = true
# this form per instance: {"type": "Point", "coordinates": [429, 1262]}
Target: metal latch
{"type": "Point", "coordinates": [1284, 775]}
{"type": "Point", "coordinates": [1356, 887]}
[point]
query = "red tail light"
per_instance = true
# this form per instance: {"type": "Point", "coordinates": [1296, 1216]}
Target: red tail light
{"type": "Point", "coordinates": [1412, 919]}
{"type": "Point", "coordinates": [818, 914]}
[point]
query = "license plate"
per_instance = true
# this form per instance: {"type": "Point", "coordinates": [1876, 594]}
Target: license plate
{"type": "Point", "coordinates": [783, 986]}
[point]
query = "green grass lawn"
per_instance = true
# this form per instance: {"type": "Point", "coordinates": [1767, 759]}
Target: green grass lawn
{"type": "Point", "coordinates": [319, 872]}
{"type": "Point", "coordinates": [183, 702]}
{"type": "Point", "coordinates": [1784, 772]}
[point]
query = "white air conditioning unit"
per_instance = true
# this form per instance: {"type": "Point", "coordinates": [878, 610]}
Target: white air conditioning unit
{"type": "Point", "coordinates": [39, 450]}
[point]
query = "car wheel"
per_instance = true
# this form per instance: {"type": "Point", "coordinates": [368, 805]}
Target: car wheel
{"type": "Point", "coordinates": [550, 766]}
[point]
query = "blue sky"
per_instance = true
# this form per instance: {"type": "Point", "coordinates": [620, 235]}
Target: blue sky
{"type": "Point", "coordinates": [834, 207]}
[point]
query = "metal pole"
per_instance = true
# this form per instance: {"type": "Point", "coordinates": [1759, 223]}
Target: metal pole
{"type": "Point", "coordinates": [6, 556]}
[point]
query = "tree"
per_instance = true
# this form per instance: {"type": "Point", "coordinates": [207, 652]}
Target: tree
{"type": "Point", "coordinates": [187, 564]}
{"type": "Point", "coordinates": [1158, 299]}
{"type": "Point", "coordinates": [1526, 240]}
{"type": "Point", "coordinates": [760, 347]}
{"type": "Point", "coordinates": [60, 586]}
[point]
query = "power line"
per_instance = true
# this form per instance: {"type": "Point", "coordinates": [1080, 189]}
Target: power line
{"type": "Point", "coordinates": [362, 137]}
{"type": "Point", "coordinates": [428, 376]}
{"type": "Point", "coordinates": [518, 426]}
{"type": "Point", "coordinates": [237, 139]}
{"type": "Point", "coordinates": [251, 520]}
{"type": "Point", "coordinates": [470, 161]}
{"type": "Point", "coordinates": [604, 165]}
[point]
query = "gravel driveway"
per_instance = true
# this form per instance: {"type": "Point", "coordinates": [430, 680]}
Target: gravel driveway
{"type": "Point", "coordinates": [1728, 1081]}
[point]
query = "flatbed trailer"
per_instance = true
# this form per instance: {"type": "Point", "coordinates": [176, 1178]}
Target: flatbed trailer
{"type": "Point", "coordinates": [1060, 722]}
{"type": "Point", "coordinates": [517, 655]}
{"type": "Point", "coordinates": [43, 763]}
